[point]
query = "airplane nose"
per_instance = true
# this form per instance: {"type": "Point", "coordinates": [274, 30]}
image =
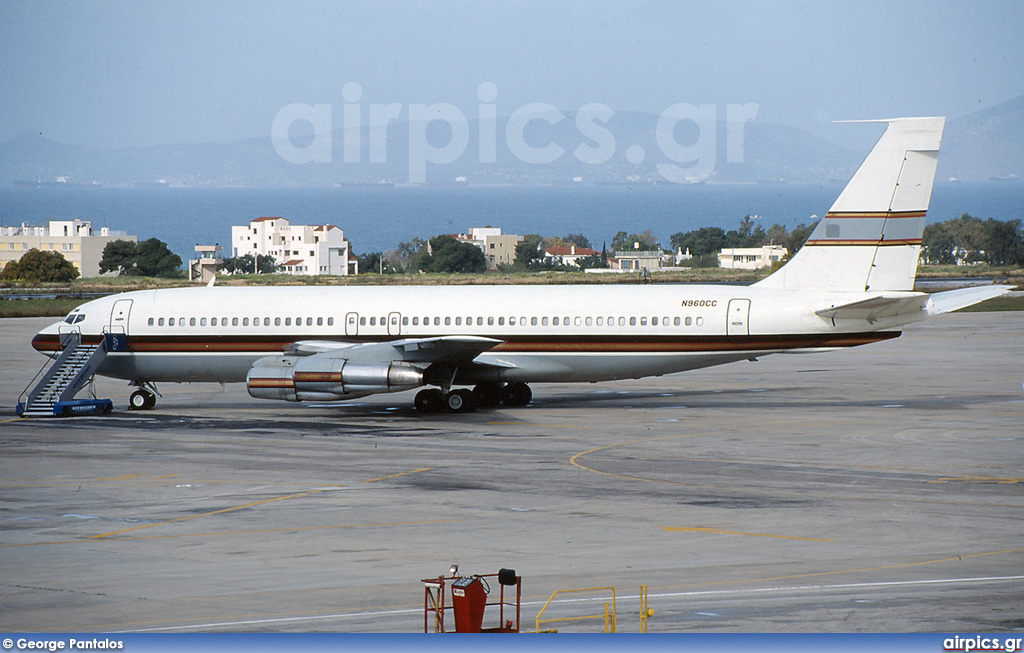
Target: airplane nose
{"type": "Point", "coordinates": [47, 340]}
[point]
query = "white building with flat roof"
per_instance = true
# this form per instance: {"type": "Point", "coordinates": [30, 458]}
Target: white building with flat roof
{"type": "Point", "coordinates": [498, 248]}
{"type": "Point", "coordinates": [297, 249]}
{"type": "Point", "coordinates": [75, 239]}
{"type": "Point", "coordinates": [751, 258]}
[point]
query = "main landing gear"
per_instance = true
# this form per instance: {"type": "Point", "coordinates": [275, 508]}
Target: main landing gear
{"type": "Point", "coordinates": [462, 400]}
{"type": "Point", "coordinates": [144, 398]}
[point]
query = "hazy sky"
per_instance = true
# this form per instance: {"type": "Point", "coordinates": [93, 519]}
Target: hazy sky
{"type": "Point", "coordinates": [119, 74]}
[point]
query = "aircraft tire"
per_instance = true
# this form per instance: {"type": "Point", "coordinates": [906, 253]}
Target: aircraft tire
{"type": "Point", "coordinates": [487, 394]}
{"type": "Point", "coordinates": [139, 400]}
{"type": "Point", "coordinates": [516, 395]}
{"type": "Point", "coordinates": [460, 401]}
{"type": "Point", "coordinates": [429, 401]}
{"type": "Point", "coordinates": [150, 401]}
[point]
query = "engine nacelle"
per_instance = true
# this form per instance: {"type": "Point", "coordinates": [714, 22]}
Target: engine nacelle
{"type": "Point", "coordinates": [321, 378]}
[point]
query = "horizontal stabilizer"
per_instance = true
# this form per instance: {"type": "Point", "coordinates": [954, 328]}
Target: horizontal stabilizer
{"type": "Point", "coordinates": [875, 308]}
{"type": "Point", "coordinates": [951, 300]}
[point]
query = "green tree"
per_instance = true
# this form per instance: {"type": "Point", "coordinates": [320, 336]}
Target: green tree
{"type": "Point", "coordinates": [528, 252]}
{"type": "Point", "coordinates": [938, 245]}
{"type": "Point", "coordinates": [265, 264]}
{"type": "Point", "coordinates": [37, 266]}
{"type": "Point", "coordinates": [411, 254]}
{"type": "Point", "coordinates": [450, 256]}
{"type": "Point", "coordinates": [799, 236]}
{"type": "Point", "coordinates": [118, 256]}
{"type": "Point", "coordinates": [150, 258]}
{"type": "Point", "coordinates": [628, 242]}
{"type": "Point", "coordinates": [706, 240]}
{"type": "Point", "coordinates": [154, 259]}
{"type": "Point", "coordinates": [1002, 242]}
{"type": "Point", "coordinates": [579, 240]}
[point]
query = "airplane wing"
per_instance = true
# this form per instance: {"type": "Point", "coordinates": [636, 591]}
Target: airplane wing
{"type": "Point", "coordinates": [951, 300]}
{"type": "Point", "coordinates": [458, 349]}
{"type": "Point", "coordinates": [874, 308]}
{"type": "Point", "coordinates": [914, 306]}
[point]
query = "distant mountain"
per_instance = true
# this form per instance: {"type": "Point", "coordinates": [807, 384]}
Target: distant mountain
{"type": "Point", "coordinates": [986, 144]}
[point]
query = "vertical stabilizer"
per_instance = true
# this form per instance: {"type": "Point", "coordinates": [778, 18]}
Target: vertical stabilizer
{"type": "Point", "coordinates": [871, 237]}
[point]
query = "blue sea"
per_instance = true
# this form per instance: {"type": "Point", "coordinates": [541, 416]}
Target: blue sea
{"type": "Point", "coordinates": [377, 219]}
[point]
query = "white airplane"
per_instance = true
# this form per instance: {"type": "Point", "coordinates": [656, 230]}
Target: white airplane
{"type": "Point", "coordinates": [851, 284]}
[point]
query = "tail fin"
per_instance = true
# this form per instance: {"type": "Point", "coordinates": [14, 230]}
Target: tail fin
{"type": "Point", "coordinates": [871, 237]}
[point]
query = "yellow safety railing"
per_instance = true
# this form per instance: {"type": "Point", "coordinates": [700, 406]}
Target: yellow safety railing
{"type": "Point", "coordinates": [607, 616]}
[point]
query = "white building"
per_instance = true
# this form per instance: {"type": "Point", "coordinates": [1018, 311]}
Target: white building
{"type": "Point", "coordinates": [204, 266]}
{"type": "Point", "coordinates": [74, 239]}
{"type": "Point", "coordinates": [633, 261]}
{"type": "Point", "coordinates": [500, 249]}
{"type": "Point", "coordinates": [751, 258]}
{"type": "Point", "coordinates": [297, 249]}
{"type": "Point", "coordinates": [568, 255]}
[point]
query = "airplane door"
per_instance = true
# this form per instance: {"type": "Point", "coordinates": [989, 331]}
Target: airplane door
{"type": "Point", "coordinates": [352, 324]}
{"type": "Point", "coordinates": [119, 316]}
{"type": "Point", "coordinates": [395, 324]}
{"type": "Point", "coordinates": [736, 323]}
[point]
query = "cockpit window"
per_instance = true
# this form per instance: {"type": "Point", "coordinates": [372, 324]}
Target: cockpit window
{"type": "Point", "coordinates": [74, 317]}
{"type": "Point", "coordinates": [81, 316]}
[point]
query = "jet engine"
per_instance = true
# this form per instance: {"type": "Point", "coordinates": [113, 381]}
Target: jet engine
{"type": "Point", "coordinates": [322, 378]}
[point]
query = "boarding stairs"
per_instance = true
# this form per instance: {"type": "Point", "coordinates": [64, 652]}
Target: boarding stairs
{"type": "Point", "coordinates": [54, 394]}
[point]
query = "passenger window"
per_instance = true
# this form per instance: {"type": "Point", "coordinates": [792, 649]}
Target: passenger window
{"type": "Point", "coordinates": [555, 322]}
{"type": "Point", "coordinates": [330, 321]}
{"type": "Point", "coordinates": [287, 321]}
{"type": "Point", "coordinates": [479, 321]}
{"type": "Point", "coordinates": [458, 321]}
{"type": "Point", "coordinates": [689, 321]}
{"type": "Point", "coordinates": [654, 321]}
{"type": "Point", "coordinates": [437, 321]}
{"type": "Point", "coordinates": [632, 321]}
{"type": "Point", "coordinates": [448, 321]}
{"type": "Point", "coordinates": [490, 321]}
{"type": "Point", "coordinates": [622, 321]}
{"type": "Point", "coordinates": [577, 322]}
{"type": "Point", "coordinates": [501, 321]}
{"type": "Point", "coordinates": [511, 321]}
{"type": "Point", "coordinates": [362, 321]}
{"type": "Point", "coordinates": [150, 322]}
{"type": "Point", "coordinates": [373, 321]}
{"type": "Point", "coordinates": [643, 321]}
{"type": "Point", "coordinates": [664, 321]}
{"type": "Point", "coordinates": [700, 321]}
{"type": "Point", "coordinates": [533, 321]}
{"type": "Point", "coordinates": [309, 321]}
{"type": "Point", "coordinates": [181, 321]}
{"type": "Point", "coordinates": [415, 321]}
{"type": "Point", "coordinates": [160, 322]}
{"type": "Point", "coordinates": [170, 321]}
{"type": "Point", "coordinates": [544, 321]}
{"type": "Point", "coordinates": [245, 321]}
{"type": "Point", "coordinates": [202, 322]}
{"type": "Point", "coordinates": [675, 321]}
{"type": "Point", "coordinates": [590, 321]}
{"type": "Point", "coordinates": [319, 321]}
{"type": "Point", "coordinates": [600, 321]}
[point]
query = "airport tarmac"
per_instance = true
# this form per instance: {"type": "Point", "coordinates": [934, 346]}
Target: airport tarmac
{"type": "Point", "coordinates": [873, 489]}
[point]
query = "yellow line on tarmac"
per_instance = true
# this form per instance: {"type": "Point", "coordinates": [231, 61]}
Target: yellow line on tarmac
{"type": "Point", "coordinates": [682, 529]}
{"type": "Point", "coordinates": [214, 512]}
{"type": "Point", "coordinates": [836, 572]}
{"type": "Point", "coordinates": [415, 471]}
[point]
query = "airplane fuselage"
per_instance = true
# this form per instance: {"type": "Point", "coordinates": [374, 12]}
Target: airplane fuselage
{"type": "Point", "coordinates": [548, 333]}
